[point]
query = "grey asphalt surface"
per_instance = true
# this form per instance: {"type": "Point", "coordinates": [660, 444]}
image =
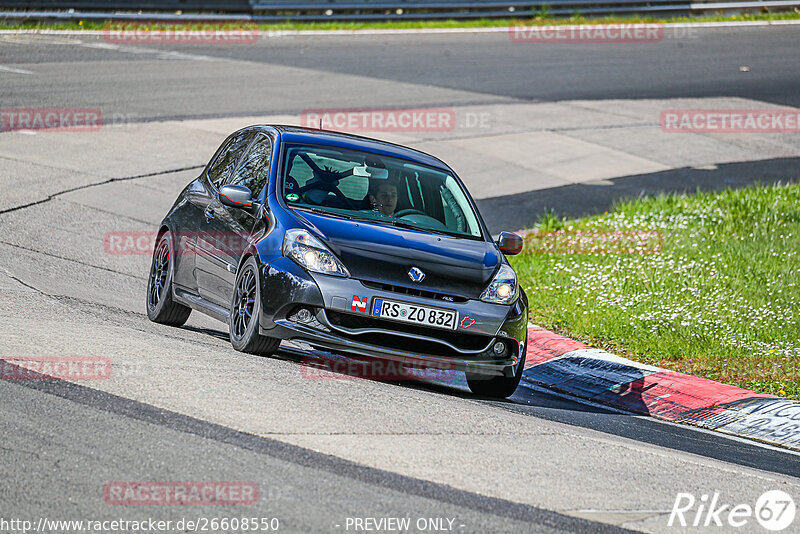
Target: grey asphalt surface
{"type": "Point", "coordinates": [685, 63]}
{"type": "Point", "coordinates": [182, 405]}
{"type": "Point", "coordinates": [465, 68]}
{"type": "Point", "coordinates": [301, 488]}
{"type": "Point", "coordinates": [140, 82]}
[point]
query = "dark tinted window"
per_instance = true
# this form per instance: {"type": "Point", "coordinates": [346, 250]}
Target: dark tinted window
{"type": "Point", "coordinates": [253, 171]}
{"type": "Point", "coordinates": [378, 188]}
{"type": "Point", "coordinates": [227, 158]}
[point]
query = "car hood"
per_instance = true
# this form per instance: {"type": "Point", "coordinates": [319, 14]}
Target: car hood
{"type": "Point", "coordinates": [384, 255]}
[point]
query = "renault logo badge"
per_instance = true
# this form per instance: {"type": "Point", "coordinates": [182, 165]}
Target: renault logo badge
{"type": "Point", "coordinates": [416, 274]}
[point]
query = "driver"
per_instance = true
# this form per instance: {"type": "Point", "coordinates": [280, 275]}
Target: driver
{"type": "Point", "coordinates": [383, 196]}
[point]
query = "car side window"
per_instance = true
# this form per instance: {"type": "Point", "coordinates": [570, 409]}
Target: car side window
{"type": "Point", "coordinates": [253, 171]}
{"type": "Point", "coordinates": [227, 158]}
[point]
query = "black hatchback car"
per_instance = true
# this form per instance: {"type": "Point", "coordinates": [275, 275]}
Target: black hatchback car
{"type": "Point", "coordinates": [347, 244]}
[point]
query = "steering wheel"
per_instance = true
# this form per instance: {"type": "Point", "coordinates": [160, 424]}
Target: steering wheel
{"type": "Point", "coordinates": [410, 211]}
{"type": "Point", "coordinates": [347, 202]}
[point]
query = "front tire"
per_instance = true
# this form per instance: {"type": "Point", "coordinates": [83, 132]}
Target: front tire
{"type": "Point", "coordinates": [245, 311]}
{"type": "Point", "coordinates": [160, 306]}
{"type": "Point", "coordinates": [499, 387]}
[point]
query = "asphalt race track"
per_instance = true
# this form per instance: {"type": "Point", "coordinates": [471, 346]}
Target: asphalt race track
{"type": "Point", "coordinates": [563, 126]}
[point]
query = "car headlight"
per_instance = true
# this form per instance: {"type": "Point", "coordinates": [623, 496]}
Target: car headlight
{"type": "Point", "coordinates": [503, 288]}
{"type": "Point", "coordinates": [311, 254]}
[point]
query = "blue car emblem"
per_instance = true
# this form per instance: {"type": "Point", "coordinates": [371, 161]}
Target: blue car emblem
{"type": "Point", "coordinates": [416, 274]}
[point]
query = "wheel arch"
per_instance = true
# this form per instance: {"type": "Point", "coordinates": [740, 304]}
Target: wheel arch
{"type": "Point", "coordinates": [162, 230]}
{"type": "Point", "coordinates": [250, 251]}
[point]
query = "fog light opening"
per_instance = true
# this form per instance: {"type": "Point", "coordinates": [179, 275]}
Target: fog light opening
{"type": "Point", "coordinates": [499, 348]}
{"type": "Point", "coordinates": [304, 315]}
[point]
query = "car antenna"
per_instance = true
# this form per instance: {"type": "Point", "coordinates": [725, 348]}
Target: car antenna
{"type": "Point", "coordinates": [320, 123]}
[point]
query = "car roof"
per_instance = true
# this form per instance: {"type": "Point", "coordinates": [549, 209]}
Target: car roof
{"type": "Point", "coordinates": [297, 134]}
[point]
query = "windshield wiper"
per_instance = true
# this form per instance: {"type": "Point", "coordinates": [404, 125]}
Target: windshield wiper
{"type": "Point", "coordinates": [324, 212]}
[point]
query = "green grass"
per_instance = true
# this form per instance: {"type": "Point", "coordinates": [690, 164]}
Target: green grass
{"type": "Point", "coordinates": [711, 290]}
{"type": "Point", "coordinates": [535, 19]}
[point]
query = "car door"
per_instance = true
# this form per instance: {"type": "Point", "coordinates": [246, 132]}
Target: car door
{"type": "Point", "coordinates": [209, 220]}
{"type": "Point", "coordinates": [252, 172]}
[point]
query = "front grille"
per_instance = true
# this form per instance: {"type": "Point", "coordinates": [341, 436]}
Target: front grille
{"type": "Point", "coordinates": [413, 291]}
{"type": "Point", "coordinates": [471, 342]}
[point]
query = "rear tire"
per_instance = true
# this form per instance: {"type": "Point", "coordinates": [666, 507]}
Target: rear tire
{"type": "Point", "coordinates": [245, 311]}
{"type": "Point", "coordinates": [500, 387]}
{"type": "Point", "coordinates": [160, 306]}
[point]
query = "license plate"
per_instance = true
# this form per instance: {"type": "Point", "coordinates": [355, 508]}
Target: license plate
{"type": "Point", "coordinates": [413, 313]}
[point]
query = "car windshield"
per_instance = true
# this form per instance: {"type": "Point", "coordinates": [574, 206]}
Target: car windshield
{"type": "Point", "coordinates": [383, 189]}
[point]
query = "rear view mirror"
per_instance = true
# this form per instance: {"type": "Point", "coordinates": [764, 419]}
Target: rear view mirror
{"type": "Point", "coordinates": [236, 196]}
{"type": "Point", "coordinates": [510, 244]}
{"type": "Point", "coordinates": [371, 172]}
{"type": "Point", "coordinates": [378, 173]}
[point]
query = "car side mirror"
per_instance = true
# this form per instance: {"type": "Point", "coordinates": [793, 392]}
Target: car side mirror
{"type": "Point", "coordinates": [237, 196]}
{"type": "Point", "coordinates": [509, 243]}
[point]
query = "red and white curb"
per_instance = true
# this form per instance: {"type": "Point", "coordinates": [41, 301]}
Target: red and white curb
{"type": "Point", "coordinates": [561, 364]}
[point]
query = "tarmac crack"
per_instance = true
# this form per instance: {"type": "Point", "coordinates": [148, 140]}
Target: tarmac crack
{"type": "Point", "coordinates": [79, 262]}
{"type": "Point", "coordinates": [85, 307]}
{"type": "Point", "coordinates": [95, 184]}
{"type": "Point", "coordinates": [8, 273]}
{"type": "Point", "coordinates": [30, 453]}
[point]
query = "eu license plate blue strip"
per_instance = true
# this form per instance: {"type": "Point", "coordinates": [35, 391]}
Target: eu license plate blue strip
{"type": "Point", "coordinates": [377, 304]}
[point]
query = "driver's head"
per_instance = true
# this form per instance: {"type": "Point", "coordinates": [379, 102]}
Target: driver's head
{"type": "Point", "coordinates": [383, 195]}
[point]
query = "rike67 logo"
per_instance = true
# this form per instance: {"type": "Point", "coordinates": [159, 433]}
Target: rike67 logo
{"type": "Point", "coordinates": [774, 511]}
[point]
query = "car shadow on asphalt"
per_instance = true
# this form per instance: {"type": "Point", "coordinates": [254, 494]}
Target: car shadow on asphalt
{"type": "Point", "coordinates": [533, 400]}
{"type": "Point", "coordinates": [323, 365]}
{"type": "Point", "coordinates": [523, 210]}
{"type": "Point", "coordinates": [219, 334]}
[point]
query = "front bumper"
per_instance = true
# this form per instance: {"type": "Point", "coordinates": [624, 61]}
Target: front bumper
{"type": "Point", "coordinates": [336, 322]}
